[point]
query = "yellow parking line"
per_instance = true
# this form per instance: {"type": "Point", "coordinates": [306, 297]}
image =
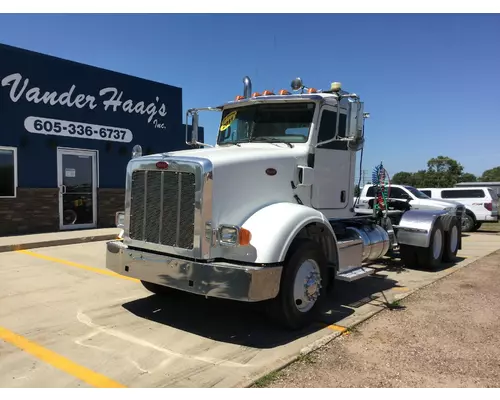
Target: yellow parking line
{"type": "Point", "coordinates": [337, 328]}
{"type": "Point", "coordinates": [77, 265]}
{"type": "Point", "coordinates": [92, 378]}
{"type": "Point", "coordinates": [401, 288]}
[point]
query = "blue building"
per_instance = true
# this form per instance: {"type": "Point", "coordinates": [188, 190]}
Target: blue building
{"type": "Point", "coordinates": [66, 134]}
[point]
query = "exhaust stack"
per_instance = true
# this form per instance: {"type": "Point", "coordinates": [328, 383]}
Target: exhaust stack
{"type": "Point", "coordinates": [247, 89]}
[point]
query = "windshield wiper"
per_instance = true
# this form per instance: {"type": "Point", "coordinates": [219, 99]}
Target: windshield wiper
{"type": "Point", "coordinates": [269, 140]}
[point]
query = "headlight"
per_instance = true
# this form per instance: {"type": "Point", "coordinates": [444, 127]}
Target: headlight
{"type": "Point", "coordinates": [230, 235]}
{"type": "Point", "coordinates": [120, 219]}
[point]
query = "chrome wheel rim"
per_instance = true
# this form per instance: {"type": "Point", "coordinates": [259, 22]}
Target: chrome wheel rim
{"type": "Point", "coordinates": [307, 285]}
{"type": "Point", "coordinates": [437, 244]}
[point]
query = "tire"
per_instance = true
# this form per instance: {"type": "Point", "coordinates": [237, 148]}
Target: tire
{"type": "Point", "coordinates": [452, 241]}
{"type": "Point", "coordinates": [468, 222]}
{"type": "Point", "coordinates": [157, 289]}
{"type": "Point", "coordinates": [477, 226]}
{"type": "Point", "coordinates": [292, 309]}
{"type": "Point", "coordinates": [431, 257]}
{"type": "Point", "coordinates": [408, 255]}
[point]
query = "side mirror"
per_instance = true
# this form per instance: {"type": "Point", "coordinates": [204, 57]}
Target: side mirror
{"type": "Point", "coordinates": [194, 136]}
{"type": "Point", "coordinates": [194, 123]}
{"type": "Point", "coordinates": [355, 123]}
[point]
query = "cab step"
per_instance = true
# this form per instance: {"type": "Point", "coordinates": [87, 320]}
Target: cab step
{"type": "Point", "coordinates": [355, 274]}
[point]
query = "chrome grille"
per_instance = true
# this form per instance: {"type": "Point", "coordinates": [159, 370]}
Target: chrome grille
{"type": "Point", "coordinates": [162, 208]}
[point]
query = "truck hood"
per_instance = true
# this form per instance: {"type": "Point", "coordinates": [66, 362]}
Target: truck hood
{"type": "Point", "coordinates": [232, 154]}
{"type": "Point", "coordinates": [239, 177]}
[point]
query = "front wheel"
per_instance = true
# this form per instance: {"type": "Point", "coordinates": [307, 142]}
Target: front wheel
{"type": "Point", "coordinates": [302, 288]}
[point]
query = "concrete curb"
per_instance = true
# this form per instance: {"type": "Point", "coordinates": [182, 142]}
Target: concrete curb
{"type": "Point", "coordinates": [56, 242]}
{"type": "Point", "coordinates": [323, 341]}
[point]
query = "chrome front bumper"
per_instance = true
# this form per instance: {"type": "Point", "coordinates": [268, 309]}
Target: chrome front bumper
{"type": "Point", "coordinates": [223, 280]}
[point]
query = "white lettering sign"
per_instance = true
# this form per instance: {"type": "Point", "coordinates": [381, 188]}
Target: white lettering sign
{"type": "Point", "coordinates": [112, 99]}
{"type": "Point", "coordinates": [59, 127]}
{"type": "Point", "coordinates": [69, 172]}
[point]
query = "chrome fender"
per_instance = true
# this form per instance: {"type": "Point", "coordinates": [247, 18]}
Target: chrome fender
{"type": "Point", "coordinates": [416, 226]}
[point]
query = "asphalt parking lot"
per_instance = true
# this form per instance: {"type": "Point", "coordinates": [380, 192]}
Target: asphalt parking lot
{"type": "Point", "coordinates": [66, 321]}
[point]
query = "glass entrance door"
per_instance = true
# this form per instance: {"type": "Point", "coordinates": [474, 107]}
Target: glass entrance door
{"type": "Point", "coordinates": [77, 176]}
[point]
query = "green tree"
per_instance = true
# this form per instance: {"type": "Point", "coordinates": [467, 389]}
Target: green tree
{"type": "Point", "coordinates": [441, 171]}
{"type": "Point", "coordinates": [445, 171]}
{"type": "Point", "coordinates": [403, 178]}
{"type": "Point", "coordinates": [491, 175]}
{"type": "Point", "coordinates": [467, 177]}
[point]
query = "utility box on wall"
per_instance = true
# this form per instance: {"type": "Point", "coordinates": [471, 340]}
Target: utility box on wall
{"type": "Point", "coordinates": [66, 135]}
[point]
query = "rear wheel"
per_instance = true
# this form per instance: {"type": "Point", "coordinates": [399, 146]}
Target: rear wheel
{"type": "Point", "coordinates": [302, 288]}
{"type": "Point", "coordinates": [431, 257]}
{"type": "Point", "coordinates": [157, 289]}
{"type": "Point", "coordinates": [477, 225]}
{"type": "Point", "coordinates": [451, 241]}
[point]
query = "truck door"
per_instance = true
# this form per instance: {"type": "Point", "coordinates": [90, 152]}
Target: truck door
{"type": "Point", "coordinates": [333, 164]}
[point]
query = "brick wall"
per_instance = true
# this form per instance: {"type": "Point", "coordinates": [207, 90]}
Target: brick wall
{"type": "Point", "coordinates": [37, 210]}
{"type": "Point", "coordinates": [109, 202]}
{"type": "Point", "coordinates": [33, 211]}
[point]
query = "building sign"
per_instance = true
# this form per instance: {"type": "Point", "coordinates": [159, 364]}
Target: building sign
{"type": "Point", "coordinates": [110, 99]}
{"type": "Point", "coordinates": [47, 126]}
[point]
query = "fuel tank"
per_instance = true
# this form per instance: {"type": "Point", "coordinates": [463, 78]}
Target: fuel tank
{"type": "Point", "coordinates": [376, 242]}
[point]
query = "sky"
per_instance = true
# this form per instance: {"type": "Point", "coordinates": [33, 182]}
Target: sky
{"type": "Point", "coordinates": [431, 83]}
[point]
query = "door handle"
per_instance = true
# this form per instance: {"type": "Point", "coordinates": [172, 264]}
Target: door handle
{"type": "Point", "coordinates": [63, 189]}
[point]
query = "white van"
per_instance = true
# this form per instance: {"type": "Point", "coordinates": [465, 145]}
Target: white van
{"type": "Point", "coordinates": [481, 204]}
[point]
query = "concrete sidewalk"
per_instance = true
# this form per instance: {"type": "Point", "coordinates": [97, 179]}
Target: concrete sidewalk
{"type": "Point", "coordinates": [25, 242]}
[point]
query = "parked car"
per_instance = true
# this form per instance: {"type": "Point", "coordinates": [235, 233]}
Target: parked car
{"type": "Point", "coordinates": [481, 204]}
{"type": "Point", "coordinates": [407, 194]}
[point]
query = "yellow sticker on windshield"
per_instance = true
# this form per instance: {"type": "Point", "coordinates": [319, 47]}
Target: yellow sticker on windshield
{"type": "Point", "coordinates": [228, 120]}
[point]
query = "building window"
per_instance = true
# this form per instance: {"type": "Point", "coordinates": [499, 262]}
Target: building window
{"type": "Point", "coordinates": [8, 171]}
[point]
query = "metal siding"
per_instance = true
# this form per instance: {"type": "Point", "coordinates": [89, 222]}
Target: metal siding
{"type": "Point", "coordinates": [37, 163]}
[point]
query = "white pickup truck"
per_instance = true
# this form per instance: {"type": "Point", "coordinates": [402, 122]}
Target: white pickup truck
{"type": "Point", "coordinates": [401, 194]}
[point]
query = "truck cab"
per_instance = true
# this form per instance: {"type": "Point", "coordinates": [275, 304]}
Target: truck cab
{"type": "Point", "coordinates": [266, 215]}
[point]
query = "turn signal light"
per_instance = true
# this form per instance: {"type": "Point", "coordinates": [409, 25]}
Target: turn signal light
{"type": "Point", "coordinates": [245, 237]}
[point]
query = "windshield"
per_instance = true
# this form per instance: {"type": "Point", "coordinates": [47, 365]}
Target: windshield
{"type": "Point", "coordinates": [288, 123]}
{"type": "Point", "coordinates": [417, 193]}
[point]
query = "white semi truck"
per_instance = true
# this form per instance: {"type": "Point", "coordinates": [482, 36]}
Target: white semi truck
{"type": "Point", "coordinates": [266, 215]}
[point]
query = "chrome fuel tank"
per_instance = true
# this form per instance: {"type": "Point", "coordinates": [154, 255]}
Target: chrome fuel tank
{"type": "Point", "coordinates": [376, 242]}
